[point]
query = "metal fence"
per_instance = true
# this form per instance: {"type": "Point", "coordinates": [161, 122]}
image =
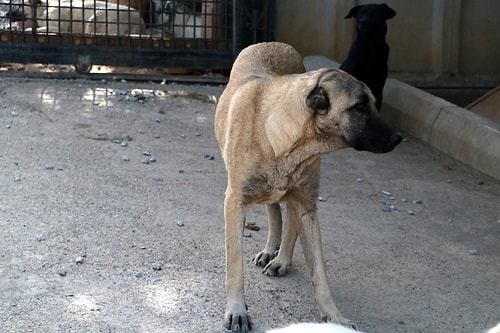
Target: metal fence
{"type": "Point", "coordinates": [198, 34]}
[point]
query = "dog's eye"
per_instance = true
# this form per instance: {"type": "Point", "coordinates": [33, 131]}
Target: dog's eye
{"type": "Point", "coordinates": [360, 107]}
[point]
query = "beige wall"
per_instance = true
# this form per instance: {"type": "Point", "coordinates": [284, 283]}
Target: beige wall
{"type": "Point", "coordinates": [443, 40]}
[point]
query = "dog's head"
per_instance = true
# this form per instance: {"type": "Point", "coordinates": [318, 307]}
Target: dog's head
{"type": "Point", "coordinates": [371, 18]}
{"type": "Point", "coordinates": [23, 11]}
{"type": "Point", "coordinates": [343, 109]}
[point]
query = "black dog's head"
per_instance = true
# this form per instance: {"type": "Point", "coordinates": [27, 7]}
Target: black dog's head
{"type": "Point", "coordinates": [371, 18]}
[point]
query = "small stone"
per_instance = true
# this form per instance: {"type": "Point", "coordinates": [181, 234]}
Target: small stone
{"type": "Point", "coordinates": [79, 260]}
{"type": "Point", "coordinates": [62, 273]}
{"type": "Point", "coordinates": [247, 234]}
{"type": "Point", "coordinates": [145, 161]}
{"type": "Point", "coordinates": [417, 202]}
{"type": "Point", "coordinates": [40, 237]}
{"type": "Point", "coordinates": [116, 141]}
{"type": "Point", "coordinates": [124, 144]}
{"type": "Point", "coordinates": [387, 208]}
{"type": "Point", "coordinates": [252, 226]}
{"type": "Point", "coordinates": [404, 200]}
{"type": "Point", "coordinates": [449, 181]}
{"type": "Point", "coordinates": [125, 158]}
{"type": "Point", "coordinates": [410, 212]}
{"type": "Point", "coordinates": [49, 167]}
{"type": "Point", "coordinates": [359, 180]}
{"type": "Point", "coordinates": [156, 136]}
{"type": "Point", "coordinates": [83, 253]}
{"type": "Point", "coordinates": [146, 153]}
{"type": "Point", "coordinates": [14, 113]}
{"type": "Point", "coordinates": [156, 266]}
{"type": "Point", "coordinates": [17, 178]}
{"type": "Point", "coordinates": [8, 126]}
{"type": "Point", "coordinates": [180, 223]}
{"type": "Point", "coordinates": [138, 274]}
{"type": "Point", "coordinates": [183, 136]}
{"type": "Point", "coordinates": [152, 159]}
{"type": "Point", "coordinates": [386, 193]}
{"type": "Point", "coordinates": [209, 157]}
{"type": "Point", "coordinates": [321, 199]}
{"type": "Point", "coordinates": [157, 120]}
{"type": "Point", "coordinates": [473, 252]}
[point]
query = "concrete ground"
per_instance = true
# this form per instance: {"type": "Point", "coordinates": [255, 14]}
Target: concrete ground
{"type": "Point", "coordinates": [97, 236]}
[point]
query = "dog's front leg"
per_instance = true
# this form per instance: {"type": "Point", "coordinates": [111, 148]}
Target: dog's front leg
{"type": "Point", "coordinates": [236, 318]}
{"type": "Point", "coordinates": [310, 239]}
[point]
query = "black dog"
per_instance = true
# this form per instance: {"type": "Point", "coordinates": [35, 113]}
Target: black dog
{"type": "Point", "coordinates": [367, 58]}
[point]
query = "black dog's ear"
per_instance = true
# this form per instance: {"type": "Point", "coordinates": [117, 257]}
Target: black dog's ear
{"type": "Point", "coordinates": [318, 100]}
{"type": "Point", "coordinates": [389, 12]}
{"type": "Point", "coordinates": [353, 12]}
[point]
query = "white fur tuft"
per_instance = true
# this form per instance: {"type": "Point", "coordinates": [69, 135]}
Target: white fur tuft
{"type": "Point", "coordinates": [316, 328]}
{"type": "Point", "coordinates": [495, 329]}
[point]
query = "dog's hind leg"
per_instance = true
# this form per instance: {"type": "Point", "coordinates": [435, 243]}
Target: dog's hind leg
{"type": "Point", "coordinates": [282, 264]}
{"type": "Point", "coordinates": [273, 237]}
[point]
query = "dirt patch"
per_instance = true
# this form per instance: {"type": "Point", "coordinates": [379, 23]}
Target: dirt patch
{"type": "Point", "coordinates": [122, 176]}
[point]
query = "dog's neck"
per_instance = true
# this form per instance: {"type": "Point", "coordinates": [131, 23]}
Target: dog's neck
{"type": "Point", "coordinates": [290, 162]}
{"type": "Point", "coordinates": [371, 38]}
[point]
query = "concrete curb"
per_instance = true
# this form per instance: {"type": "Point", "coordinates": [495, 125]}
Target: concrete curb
{"type": "Point", "coordinates": [457, 132]}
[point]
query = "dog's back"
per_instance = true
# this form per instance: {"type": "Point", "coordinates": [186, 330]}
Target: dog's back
{"type": "Point", "coordinates": [257, 61]}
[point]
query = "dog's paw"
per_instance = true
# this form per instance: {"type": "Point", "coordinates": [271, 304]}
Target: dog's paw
{"type": "Point", "coordinates": [263, 258]}
{"type": "Point", "coordinates": [277, 268]}
{"type": "Point", "coordinates": [238, 322]}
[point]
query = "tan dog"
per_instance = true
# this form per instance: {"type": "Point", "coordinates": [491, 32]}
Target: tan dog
{"type": "Point", "coordinates": [273, 122]}
{"type": "Point", "coordinates": [90, 17]}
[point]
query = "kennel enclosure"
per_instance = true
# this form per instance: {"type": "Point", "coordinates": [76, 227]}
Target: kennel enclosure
{"type": "Point", "coordinates": [195, 34]}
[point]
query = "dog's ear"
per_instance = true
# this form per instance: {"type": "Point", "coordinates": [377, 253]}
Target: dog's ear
{"type": "Point", "coordinates": [318, 100]}
{"type": "Point", "coordinates": [389, 12]}
{"type": "Point", "coordinates": [353, 12]}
